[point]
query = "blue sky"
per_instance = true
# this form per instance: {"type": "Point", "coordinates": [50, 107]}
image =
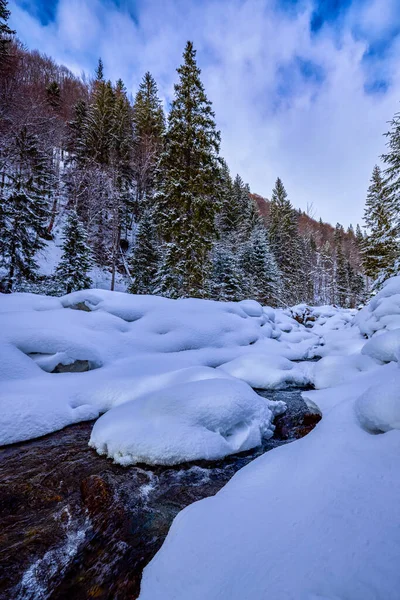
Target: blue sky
{"type": "Point", "coordinates": [302, 89]}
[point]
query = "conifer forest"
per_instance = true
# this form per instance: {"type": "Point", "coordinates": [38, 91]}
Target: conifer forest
{"type": "Point", "coordinates": [142, 196]}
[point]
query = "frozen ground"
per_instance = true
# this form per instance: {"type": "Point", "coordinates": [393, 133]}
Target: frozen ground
{"type": "Point", "coordinates": [316, 519]}
{"type": "Point", "coordinates": [319, 518]}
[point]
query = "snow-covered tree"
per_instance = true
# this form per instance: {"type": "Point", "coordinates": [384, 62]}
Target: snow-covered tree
{"type": "Point", "coordinates": [148, 135]}
{"type": "Point", "coordinates": [145, 258]}
{"type": "Point", "coordinates": [226, 281]}
{"type": "Point", "coordinates": [5, 31]}
{"type": "Point", "coordinates": [260, 270]}
{"type": "Point", "coordinates": [72, 270]}
{"type": "Point", "coordinates": [24, 208]}
{"type": "Point", "coordinates": [380, 246]}
{"type": "Point", "coordinates": [285, 244]}
{"type": "Point", "coordinates": [189, 176]}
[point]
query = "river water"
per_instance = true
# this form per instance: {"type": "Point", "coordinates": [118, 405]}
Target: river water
{"type": "Point", "coordinates": [75, 526]}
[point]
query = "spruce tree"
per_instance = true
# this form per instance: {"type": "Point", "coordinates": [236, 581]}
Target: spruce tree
{"type": "Point", "coordinates": [285, 244]}
{"type": "Point", "coordinates": [5, 31]}
{"type": "Point", "coordinates": [99, 123]}
{"type": "Point", "coordinates": [145, 259]}
{"type": "Point", "coordinates": [341, 269]}
{"type": "Point", "coordinates": [27, 185]}
{"type": "Point", "coordinates": [189, 191]}
{"type": "Point", "coordinates": [227, 278]}
{"type": "Point", "coordinates": [75, 263]}
{"type": "Point", "coordinates": [148, 133]}
{"type": "Point", "coordinates": [379, 247]}
{"type": "Point", "coordinates": [260, 270]}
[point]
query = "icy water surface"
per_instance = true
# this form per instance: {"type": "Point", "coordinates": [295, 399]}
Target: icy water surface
{"type": "Point", "coordinates": [75, 526]}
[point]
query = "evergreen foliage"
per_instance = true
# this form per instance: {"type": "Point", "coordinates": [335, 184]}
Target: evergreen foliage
{"type": "Point", "coordinates": [380, 246]}
{"type": "Point", "coordinates": [24, 209]}
{"type": "Point", "coordinates": [188, 198]}
{"type": "Point", "coordinates": [5, 31]}
{"type": "Point", "coordinates": [260, 270]}
{"type": "Point", "coordinates": [227, 278]}
{"type": "Point", "coordinates": [284, 240]}
{"type": "Point", "coordinates": [148, 133]}
{"type": "Point", "coordinates": [75, 263]}
{"type": "Point", "coordinates": [145, 259]}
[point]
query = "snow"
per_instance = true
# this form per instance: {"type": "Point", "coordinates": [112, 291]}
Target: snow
{"type": "Point", "coordinates": [266, 371]}
{"type": "Point", "coordinates": [378, 408]}
{"type": "Point", "coordinates": [171, 381]}
{"type": "Point", "coordinates": [384, 347]}
{"type": "Point", "coordinates": [383, 312]}
{"type": "Point", "coordinates": [205, 419]}
{"type": "Point", "coordinates": [313, 519]}
{"type": "Point", "coordinates": [133, 345]}
{"type": "Point", "coordinates": [317, 518]}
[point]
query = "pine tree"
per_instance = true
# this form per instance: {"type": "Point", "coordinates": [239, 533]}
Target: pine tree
{"type": "Point", "coordinates": [285, 244]}
{"type": "Point", "coordinates": [148, 134]}
{"type": "Point", "coordinates": [324, 292]}
{"type": "Point", "coordinates": [226, 280]}
{"type": "Point", "coordinates": [380, 247]}
{"type": "Point", "coordinates": [24, 209]}
{"type": "Point", "coordinates": [72, 271]}
{"type": "Point", "coordinates": [145, 259]}
{"type": "Point", "coordinates": [99, 123]}
{"type": "Point", "coordinates": [189, 192]}
{"type": "Point", "coordinates": [341, 271]}
{"type": "Point", "coordinates": [121, 172]}
{"type": "Point", "coordinates": [5, 31]}
{"type": "Point", "coordinates": [260, 270]}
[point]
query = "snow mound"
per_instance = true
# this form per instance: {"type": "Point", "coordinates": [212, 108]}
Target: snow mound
{"type": "Point", "coordinates": [313, 519]}
{"type": "Point", "coordinates": [266, 371]}
{"type": "Point", "coordinates": [206, 419]}
{"type": "Point", "coordinates": [334, 370]}
{"type": "Point", "coordinates": [378, 409]}
{"type": "Point", "coordinates": [383, 311]}
{"type": "Point", "coordinates": [70, 358]}
{"type": "Point", "coordinates": [384, 347]}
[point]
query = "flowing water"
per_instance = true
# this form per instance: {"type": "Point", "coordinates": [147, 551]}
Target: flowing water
{"type": "Point", "coordinates": [73, 525]}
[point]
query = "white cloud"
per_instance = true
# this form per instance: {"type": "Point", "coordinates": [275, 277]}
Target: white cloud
{"type": "Point", "coordinates": [322, 140]}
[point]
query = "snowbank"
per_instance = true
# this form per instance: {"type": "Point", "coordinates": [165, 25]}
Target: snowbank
{"type": "Point", "coordinates": [383, 312]}
{"type": "Point", "coordinates": [68, 359]}
{"type": "Point", "coordinates": [266, 371]}
{"type": "Point", "coordinates": [317, 518]}
{"type": "Point", "coordinates": [313, 519]}
{"type": "Point", "coordinates": [206, 419]}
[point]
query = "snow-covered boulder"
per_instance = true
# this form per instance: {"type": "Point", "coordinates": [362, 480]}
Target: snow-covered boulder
{"type": "Point", "coordinates": [334, 370]}
{"type": "Point", "coordinates": [266, 371]}
{"type": "Point", "coordinates": [121, 347]}
{"type": "Point", "coordinates": [383, 311]}
{"type": "Point", "coordinates": [207, 419]}
{"type": "Point", "coordinates": [378, 408]}
{"type": "Point", "coordinates": [384, 347]}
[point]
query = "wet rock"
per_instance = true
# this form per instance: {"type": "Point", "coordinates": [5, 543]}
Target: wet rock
{"type": "Point", "coordinates": [78, 366]}
{"type": "Point", "coordinates": [75, 525]}
{"type": "Point", "coordinates": [79, 306]}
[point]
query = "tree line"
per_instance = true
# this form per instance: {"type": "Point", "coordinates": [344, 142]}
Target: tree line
{"type": "Point", "coordinates": [148, 197]}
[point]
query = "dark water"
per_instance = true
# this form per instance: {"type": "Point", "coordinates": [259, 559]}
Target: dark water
{"type": "Point", "coordinates": [75, 526]}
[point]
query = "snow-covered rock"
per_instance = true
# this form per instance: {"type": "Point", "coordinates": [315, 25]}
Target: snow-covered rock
{"type": "Point", "coordinates": [383, 311]}
{"type": "Point", "coordinates": [266, 371]}
{"type": "Point", "coordinates": [313, 519]}
{"type": "Point", "coordinates": [378, 408]}
{"type": "Point", "coordinates": [207, 419]}
{"type": "Point", "coordinates": [384, 347]}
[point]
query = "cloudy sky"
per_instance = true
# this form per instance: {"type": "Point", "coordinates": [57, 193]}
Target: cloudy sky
{"type": "Point", "coordinates": [302, 89]}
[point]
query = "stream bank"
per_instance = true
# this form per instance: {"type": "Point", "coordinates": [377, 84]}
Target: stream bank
{"type": "Point", "coordinates": [75, 525]}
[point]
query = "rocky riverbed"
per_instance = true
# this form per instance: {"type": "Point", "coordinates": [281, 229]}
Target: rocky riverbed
{"type": "Point", "coordinates": [76, 526]}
